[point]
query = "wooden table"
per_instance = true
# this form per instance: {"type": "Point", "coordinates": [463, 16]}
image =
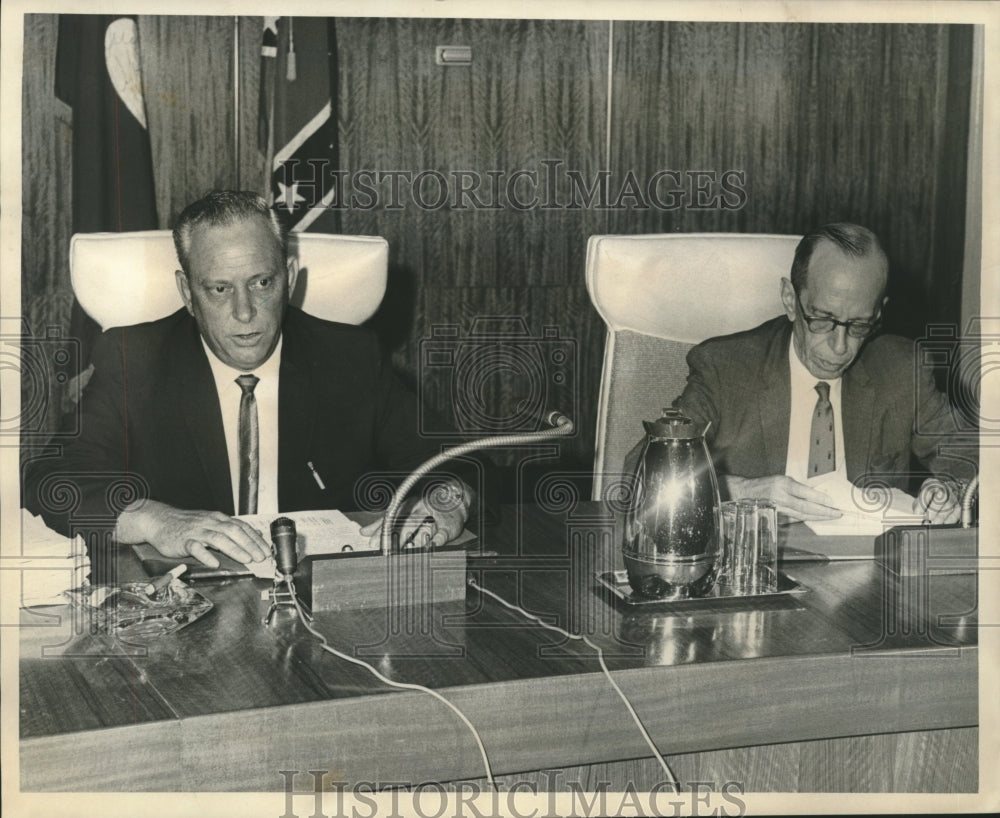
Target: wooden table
{"type": "Point", "coordinates": [864, 683]}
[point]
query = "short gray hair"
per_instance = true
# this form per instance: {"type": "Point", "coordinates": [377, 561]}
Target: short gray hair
{"type": "Point", "coordinates": [225, 207]}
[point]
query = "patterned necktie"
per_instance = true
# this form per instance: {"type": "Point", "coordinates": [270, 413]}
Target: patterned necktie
{"type": "Point", "coordinates": [249, 445]}
{"type": "Point", "coordinates": [822, 450]}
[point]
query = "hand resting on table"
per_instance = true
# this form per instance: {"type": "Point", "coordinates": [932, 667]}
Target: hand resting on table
{"type": "Point", "coordinates": [181, 533]}
{"type": "Point", "coordinates": [792, 498]}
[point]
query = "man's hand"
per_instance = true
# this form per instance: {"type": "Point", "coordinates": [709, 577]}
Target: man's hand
{"type": "Point", "coordinates": [792, 498]}
{"type": "Point", "coordinates": [940, 501]}
{"type": "Point", "coordinates": [179, 533]}
{"type": "Point", "coordinates": [433, 520]}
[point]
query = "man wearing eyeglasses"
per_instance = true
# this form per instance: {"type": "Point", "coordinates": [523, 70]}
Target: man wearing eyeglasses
{"type": "Point", "coordinates": [817, 390]}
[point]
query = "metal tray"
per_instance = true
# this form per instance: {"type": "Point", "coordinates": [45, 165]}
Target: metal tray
{"type": "Point", "coordinates": [617, 583]}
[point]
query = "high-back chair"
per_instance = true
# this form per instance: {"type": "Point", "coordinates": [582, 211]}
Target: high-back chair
{"type": "Point", "coordinates": [660, 295]}
{"type": "Point", "coordinates": [128, 278]}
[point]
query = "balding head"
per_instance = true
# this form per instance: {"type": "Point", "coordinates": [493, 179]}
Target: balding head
{"type": "Point", "coordinates": [852, 240]}
{"type": "Point", "coordinates": [835, 296]}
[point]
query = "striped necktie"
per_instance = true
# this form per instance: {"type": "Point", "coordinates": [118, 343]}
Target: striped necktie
{"type": "Point", "coordinates": [249, 445]}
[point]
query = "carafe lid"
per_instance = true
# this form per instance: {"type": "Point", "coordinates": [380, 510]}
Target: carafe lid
{"type": "Point", "coordinates": [673, 425]}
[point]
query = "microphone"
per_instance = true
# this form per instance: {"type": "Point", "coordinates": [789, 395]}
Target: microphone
{"type": "Point", "coordinates": [283, 538]}
{"type": "Point", "coordinates": [557, 419]}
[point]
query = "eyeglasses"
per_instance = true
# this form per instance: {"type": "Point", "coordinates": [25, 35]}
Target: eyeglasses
{"type": "Point", "coordinates": [821, 326]}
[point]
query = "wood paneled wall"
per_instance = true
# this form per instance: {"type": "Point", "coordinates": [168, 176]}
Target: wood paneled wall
{"type": "Point", "coordinates": [46, 226]}
{"type": "Point", "coordinates": [861, 122]}
{"type": "Point", "coordinates": [535, 91]}
{"type": "Point", "coordinates": [187, 72]}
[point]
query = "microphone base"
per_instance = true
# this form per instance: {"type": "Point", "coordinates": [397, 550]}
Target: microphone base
{"type": "Point", "coordinates": [365, 580]}
{"type": "Point", "coordinates": [276, 601]}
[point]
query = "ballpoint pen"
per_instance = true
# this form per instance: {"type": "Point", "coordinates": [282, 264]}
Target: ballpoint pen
{"type": "Point", "coordinates": [316, 477]}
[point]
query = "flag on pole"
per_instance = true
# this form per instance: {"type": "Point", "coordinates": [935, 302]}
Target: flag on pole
{"type": "Point", "coordinates": [98, 76]}
{"type": "Point", "coordinates": [298, 122]}
{"type": "Point", "coordinates": [265, 120]}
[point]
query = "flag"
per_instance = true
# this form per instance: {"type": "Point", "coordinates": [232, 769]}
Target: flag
{"type": "Point", "coordinates": [265, 121]}
{"type": "Point", "coordinates": [98, 76]}
{"type": "Point", "coordinates": [298, 122]}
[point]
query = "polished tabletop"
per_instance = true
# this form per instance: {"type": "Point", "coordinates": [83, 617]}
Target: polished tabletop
{"type": "Point", "coordinates": [858, 651]}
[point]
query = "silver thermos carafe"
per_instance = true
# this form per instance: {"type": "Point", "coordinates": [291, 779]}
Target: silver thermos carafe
{"type": "Point", "coordinates": [672, 543]}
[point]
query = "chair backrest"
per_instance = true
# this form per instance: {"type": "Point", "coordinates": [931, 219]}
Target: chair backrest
{"type": "Point", "coordinates": [660, 295]}
{"type": "Point", "coordinates": [128, 278]}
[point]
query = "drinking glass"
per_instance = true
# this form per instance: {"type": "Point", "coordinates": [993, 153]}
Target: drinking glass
{"type": "Point", "coordinates": [750, 544]}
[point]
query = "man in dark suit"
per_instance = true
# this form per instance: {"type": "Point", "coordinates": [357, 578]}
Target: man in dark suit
{"type": "Point", "coordinates": [762, 390]}
{"type": "Point", "coordinates": [237, 403]}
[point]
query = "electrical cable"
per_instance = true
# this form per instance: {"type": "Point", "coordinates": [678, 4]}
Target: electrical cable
{"type": "Point", "coordinates": [383, 678]}
{"type": "Point", "coordinates": [561, 425]}
{"type": "Point", "coordinates": [604, 667]}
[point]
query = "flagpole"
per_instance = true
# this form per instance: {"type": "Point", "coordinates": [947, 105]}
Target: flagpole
{"type": "Point", "coordinates": [236, 97]}
{"type": "Point", "coordinates": [268, 187]}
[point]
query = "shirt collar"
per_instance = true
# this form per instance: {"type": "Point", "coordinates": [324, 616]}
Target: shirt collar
{"type": "Point", "coordinates": [799, 371]}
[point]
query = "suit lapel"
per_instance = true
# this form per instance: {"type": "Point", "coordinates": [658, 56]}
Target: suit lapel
{"type": "Point", "coordinates": [296, 397]}
{"type": "Point", "coordinates": [857, 403]}
{"type": "Point", "coordinates": [774, 401]}
{"type": "Point", "coordinates": [191, 388]}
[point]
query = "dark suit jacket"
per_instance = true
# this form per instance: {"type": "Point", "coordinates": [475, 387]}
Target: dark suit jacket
{"type": "Point", "coordinates": [151, 424]}
{"type": "Point", "coordinates": [891, 409]}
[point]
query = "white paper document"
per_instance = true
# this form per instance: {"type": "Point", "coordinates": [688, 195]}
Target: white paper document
{"type": "Point", "coordinates": [49, 562]}
{"type": "Point", "coordinates": [316, 532]}
{"type": "Point", "coordinates": [865, 512]}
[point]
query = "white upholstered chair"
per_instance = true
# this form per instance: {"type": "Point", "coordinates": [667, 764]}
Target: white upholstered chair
{"type": "Point", "coordinates": [128, 278]}
{"type": "Point", "coordinates": [660, 295]}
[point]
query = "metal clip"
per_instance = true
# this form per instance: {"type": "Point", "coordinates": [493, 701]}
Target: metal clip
{"type": "Point", "coordinates": [453, 54]}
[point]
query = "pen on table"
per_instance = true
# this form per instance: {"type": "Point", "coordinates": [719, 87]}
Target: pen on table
{"type": "Point", "coordinates": [160, 583]}
{"type": "Point", "coordinates": [316, 477]}
{"type": "Point", "coordinates": [219, 573]}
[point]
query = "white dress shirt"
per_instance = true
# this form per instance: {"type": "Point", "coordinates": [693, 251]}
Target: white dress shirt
{"type": "Point", "coordinates": [803, 404]}
{"type": "Point", "coordinates": [266, 393]}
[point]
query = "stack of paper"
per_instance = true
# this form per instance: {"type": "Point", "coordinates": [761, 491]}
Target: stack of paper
{"type": "Point", "coordinates": [49, 563]}
{"type": "Point", "coordinates": [865, 512]}
{"type": "Point", "coordinates": [316, 532]}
